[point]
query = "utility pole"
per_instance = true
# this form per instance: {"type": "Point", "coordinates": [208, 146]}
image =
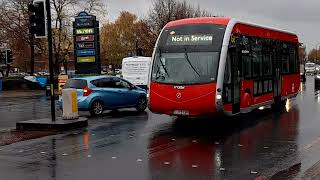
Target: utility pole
{"type": "Point", "coordinates": [53, 109]}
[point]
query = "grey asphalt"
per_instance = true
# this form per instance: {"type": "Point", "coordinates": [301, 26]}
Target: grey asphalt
{"type": "Point", "coordinates": [131, 145]}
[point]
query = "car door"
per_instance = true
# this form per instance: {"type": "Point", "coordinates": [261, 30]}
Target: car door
{"type": "Point", "coordinates": [108, 92]}
{"type": "Point", "coordinates": [129, 94]}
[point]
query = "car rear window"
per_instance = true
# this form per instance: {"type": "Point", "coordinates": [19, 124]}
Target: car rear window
{"type": "Point", "coordinates": [76, 83]}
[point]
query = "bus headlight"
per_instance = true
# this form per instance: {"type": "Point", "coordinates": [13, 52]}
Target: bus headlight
{"type": "Point", "coordinates": [219, 97]}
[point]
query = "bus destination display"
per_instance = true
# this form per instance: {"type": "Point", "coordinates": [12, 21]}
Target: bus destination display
{"type": "Point", "coordinates": [197, 39]}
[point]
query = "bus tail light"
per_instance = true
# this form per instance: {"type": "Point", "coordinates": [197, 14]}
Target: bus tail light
{"type": "Point", "coordinates": [87, 91]}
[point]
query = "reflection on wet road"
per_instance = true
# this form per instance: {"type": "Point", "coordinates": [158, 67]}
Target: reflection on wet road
{"type": "Point", "coordinates": [129, 145]}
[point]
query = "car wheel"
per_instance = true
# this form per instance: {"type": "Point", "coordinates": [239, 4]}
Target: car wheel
{"type": "Point", "coordinates": [96, 108]}
{"type": "Point", "coordinates": [142, 104]}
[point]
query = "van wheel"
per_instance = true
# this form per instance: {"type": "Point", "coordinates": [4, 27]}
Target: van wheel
{"type": "Point", "coordinates": [142, 104]}
{"type": "Point", "coordinates": [96, 108]}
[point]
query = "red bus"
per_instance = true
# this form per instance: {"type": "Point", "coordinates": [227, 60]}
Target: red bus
{"type": "Point", "coordinates": [208, 66]}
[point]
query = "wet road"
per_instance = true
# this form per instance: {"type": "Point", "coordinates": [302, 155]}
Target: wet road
{"type": "Point", "coordinates": [129, 145]}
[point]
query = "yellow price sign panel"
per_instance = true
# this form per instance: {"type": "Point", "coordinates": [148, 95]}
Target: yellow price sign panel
{"type": "Point", "coordinates": [86, 59]}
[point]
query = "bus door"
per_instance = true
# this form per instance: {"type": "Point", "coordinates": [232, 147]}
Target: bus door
{"type": "Point", "coordinates": [277, 77]}
{"type": "Point", "coordinates": [235, 81]}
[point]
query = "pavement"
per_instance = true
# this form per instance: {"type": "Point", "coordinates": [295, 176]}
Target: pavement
{"type": "Point", "coordinates": [130, 145]}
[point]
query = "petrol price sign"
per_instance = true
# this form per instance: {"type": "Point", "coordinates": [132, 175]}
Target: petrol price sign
{"type": "Point", "coordinates": [86, 44]}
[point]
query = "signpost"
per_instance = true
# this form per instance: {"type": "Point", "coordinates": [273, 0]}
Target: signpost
{"type": "Point", "coordinates": [86, 44]}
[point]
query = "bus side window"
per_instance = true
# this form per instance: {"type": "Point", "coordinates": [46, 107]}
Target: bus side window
{"type": "Point", "coordinates": [285, 59]}
{"type": "Point", "coordinates": [293, 53]}
{"type": "Point", "coordinates": [246, 66]}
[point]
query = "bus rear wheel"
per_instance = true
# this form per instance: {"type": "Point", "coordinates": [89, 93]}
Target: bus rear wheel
{"type": "Point", "coordinates": [278, 105]}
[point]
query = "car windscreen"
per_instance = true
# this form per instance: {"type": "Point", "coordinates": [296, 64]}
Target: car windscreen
{"type": "Point", "coordinates": [75, 83]}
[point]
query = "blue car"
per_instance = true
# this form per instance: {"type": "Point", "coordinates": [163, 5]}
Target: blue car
{"type": "Point", "coordinates": [99, 93]}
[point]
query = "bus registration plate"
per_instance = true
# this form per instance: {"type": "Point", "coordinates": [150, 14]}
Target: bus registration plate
{"type": "Point", "coordinates": [181, 112]}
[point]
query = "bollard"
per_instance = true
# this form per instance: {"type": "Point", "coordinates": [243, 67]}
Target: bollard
{"type": "Point", "coordinates": [69, 104]}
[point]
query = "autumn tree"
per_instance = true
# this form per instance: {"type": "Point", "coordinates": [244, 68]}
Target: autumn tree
{"type": "Point", "coordinates": [314, 55]}
{"type": "Point", "coordinates": [14, 29]}
{"type": "Point", "coordinates": [123, 37]}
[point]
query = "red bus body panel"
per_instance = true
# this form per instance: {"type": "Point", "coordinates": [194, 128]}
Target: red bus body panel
{"type": "Point", "coordinates": [290, 84]}
{"type": "Point", "coordinates": [197, 99]}
{"type": "Point", "coordinates": [203, 20]}
{"type": "Point", "coordinates": [251, 30]}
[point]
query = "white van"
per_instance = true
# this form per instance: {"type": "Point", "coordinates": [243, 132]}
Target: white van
{"type": "Point", "coordinates": [310, 68]}
{"type": "Point", "coordinates": [136, 70]}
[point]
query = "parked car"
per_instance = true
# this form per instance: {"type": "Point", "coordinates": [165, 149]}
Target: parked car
{"type": "Point", "coordinates": [99, 93]}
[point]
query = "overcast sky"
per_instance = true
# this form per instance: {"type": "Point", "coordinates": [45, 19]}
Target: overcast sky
{"type": "Point", "coordinates": [299, 16]}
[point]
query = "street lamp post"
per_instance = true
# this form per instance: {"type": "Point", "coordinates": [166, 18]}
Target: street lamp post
{"type": "Point", "coordinates": [53, 109]}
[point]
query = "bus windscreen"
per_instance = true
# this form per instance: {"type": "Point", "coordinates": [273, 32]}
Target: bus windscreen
{"type": "Point", "coordinates": [188, 54]}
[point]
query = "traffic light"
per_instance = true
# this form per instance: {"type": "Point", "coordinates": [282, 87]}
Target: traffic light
{"type": "Point", "coordinates": [2, 57]}
{"type": "Point", "coordinates": [38, 18]}
{"type": "Point", "coordinates": [9, 56]}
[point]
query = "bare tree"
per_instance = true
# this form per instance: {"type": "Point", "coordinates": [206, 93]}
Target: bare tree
{"type": "Point", "coordinates": [63, 13]}
{"type": "Point", "coordinates": [164, 11]}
